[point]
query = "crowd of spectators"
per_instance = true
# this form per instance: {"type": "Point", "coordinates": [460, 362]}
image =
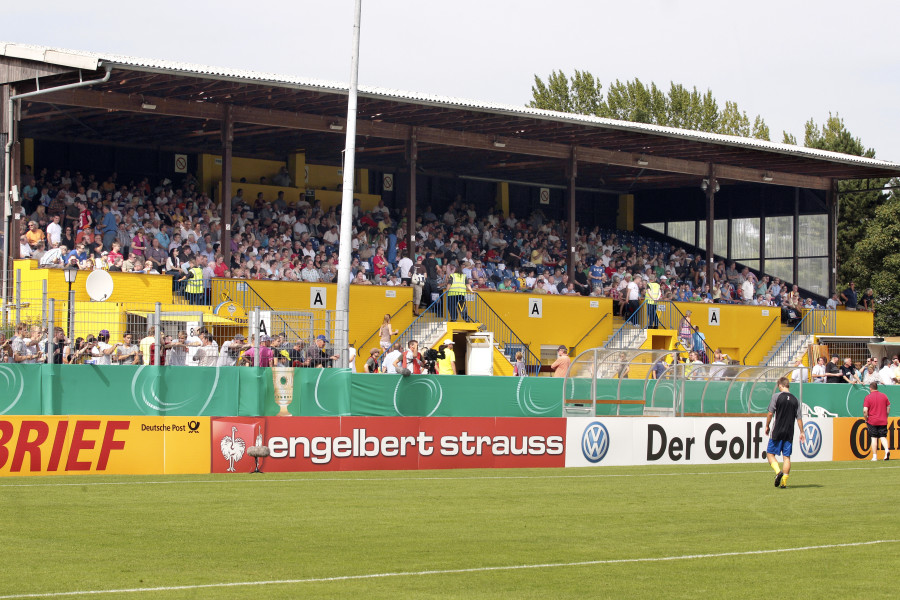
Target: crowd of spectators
{"type": "Point", "coordinates": [176, 230]}
{"type": "Point", "coordinates": [32, 344]}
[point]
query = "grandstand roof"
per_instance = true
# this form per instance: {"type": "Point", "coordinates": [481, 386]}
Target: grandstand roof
{"type": "Point", "coordinates": [276, 114]}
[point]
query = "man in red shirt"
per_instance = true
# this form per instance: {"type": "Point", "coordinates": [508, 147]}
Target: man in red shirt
{"type": "Point", "coordinates": [876, 408]}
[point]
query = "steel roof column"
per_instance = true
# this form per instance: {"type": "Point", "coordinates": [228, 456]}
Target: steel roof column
{"type": "Point", "coordinates": [227, 141]}
{"type": "Point", "coordinates": [764, 194]}
{"type": "Point", "coordinates": [831, 205]}
{"type": "Point", "coordinates": [412, 158]}
{"type": "Point", "coordinates": [710, 224]}
{"type": "Point", "coordinates": [796, 246]}
{"type": "Point", "coordinates": [572, 173]}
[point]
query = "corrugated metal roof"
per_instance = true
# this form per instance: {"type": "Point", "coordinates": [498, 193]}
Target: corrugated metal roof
{"type": "Point", "coordinates": [77, 58]}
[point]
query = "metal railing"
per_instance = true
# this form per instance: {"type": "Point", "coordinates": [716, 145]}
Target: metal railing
{"type": "Point", "coordinates": [819, 321]}
{"type": "Point", "coordinates": [243, 293]}
{"type": "Point", "coordinates": [431, 324]}
{"type": "Point", "coordinates": [504, 337]}
{"type": "Point", "coordinates": [672, 320]}
{"type": "Point", "coordinates": [622, 338]}
{"type": "Point", "coordinates": [785, 352]}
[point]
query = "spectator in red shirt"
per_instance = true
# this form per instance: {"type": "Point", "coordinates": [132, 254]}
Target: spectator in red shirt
{"type": "Point", "coordinates": [220, 267]}
{"type": "Point", "coordinates": [876, 408]}
{"type": "Point", "coordinates": [379, 262]}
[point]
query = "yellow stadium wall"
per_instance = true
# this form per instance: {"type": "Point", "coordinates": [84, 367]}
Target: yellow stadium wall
{"type": "Point", "coordinates": [368, 305]}
{"type": "Point", "coordinates": [739, 329]}
{"type": "Point", "coordinates": [854, 322]}
{"type": "Point", "coordinates": [210, 171]}
{"type": "Point", "coordinates": [565, 320]}
{"type": "Point", "coordinates": [328, 199]}
{"type": "Point", "coordinates": [251, 169]}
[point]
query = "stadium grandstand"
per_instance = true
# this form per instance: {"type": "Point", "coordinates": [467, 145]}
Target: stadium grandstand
{"type": "Point", "coordinates": [211, 197]}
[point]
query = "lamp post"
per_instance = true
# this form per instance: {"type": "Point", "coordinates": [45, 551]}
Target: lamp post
{"type": "Point", "coordinates": [71, 274]}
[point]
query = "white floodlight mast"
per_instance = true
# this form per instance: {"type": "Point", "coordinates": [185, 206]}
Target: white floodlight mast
{"type": "Point", "coordinates": [342, 304]}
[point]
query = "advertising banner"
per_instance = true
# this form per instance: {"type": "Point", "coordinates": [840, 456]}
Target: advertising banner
{"type": "Point", "coordinates": [851, 439]}
{"type": "Point", "coordinates": [107, 445]}
{"type": "Point", "coordinates": [374, 443]}
{"type": "Point", "coordinates": [612, 441]}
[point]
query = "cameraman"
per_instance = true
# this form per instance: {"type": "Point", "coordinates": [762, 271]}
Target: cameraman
{"type": "Point", "coordinates": [447, 364]}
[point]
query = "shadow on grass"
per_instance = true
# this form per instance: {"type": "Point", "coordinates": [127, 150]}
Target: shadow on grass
{"type": "Point", "coordinates": [804, 485]}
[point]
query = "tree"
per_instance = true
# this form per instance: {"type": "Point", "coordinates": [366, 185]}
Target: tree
{"type": "Point", "coordinates": [856, 208]}
{"type": "Point", "coordinates": [760, 129]}
{"type": "Point", "coordinates": [733, 121]}
{"type": "Point", "coordinates": [640, 103]}
{"type": "Point", "coordinates": [876, 259]}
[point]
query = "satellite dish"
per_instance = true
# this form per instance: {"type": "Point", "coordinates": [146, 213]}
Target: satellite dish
{"type": "Point", "coordinates": [99, 286]}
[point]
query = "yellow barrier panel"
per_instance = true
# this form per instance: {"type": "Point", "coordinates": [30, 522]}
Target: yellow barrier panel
{"type": "Point", "coordinates": [104, 445]}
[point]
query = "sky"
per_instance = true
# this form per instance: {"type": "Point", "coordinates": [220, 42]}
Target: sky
{"type": "Point", "coordinates": [786, 61]}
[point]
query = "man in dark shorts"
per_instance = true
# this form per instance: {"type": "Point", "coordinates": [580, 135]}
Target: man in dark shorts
{"type": "Point", "coordinates": [786, 409]}
{"type": "Point", "coordinates": [876, 408]}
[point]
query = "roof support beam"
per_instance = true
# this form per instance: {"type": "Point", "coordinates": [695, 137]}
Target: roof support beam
{"type": "Point", "coordinates": [425, 135]}
{"type": "Point", "coordinates": [712, 173]}
{"type": "Point", "coordinates": [227, 146]}
{"type": "Point", "coordinates": [572, 172]}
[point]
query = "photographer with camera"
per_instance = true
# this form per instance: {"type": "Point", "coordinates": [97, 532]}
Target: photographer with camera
{"type": "Point", "coordinates": [429, 360]}
{"type": "Point", "coordinates": [411, 360]}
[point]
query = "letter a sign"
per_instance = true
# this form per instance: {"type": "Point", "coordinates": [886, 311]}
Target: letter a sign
{"type": "Point", "coordinates": [318, 297]}
{"type": "Point", "coordinates": [535, 308]}
{"type": "Point", "coordinates": [714, 317]}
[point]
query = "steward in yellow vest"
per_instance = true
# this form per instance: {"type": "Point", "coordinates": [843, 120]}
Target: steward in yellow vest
{"type": "Point", "coordinates": [653, 295]}
{"type": "Point", "coordinates": [194, 288]}
{"type": "Point", "coordinates": [457, 287]}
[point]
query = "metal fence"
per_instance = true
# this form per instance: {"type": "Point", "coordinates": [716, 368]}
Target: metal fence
{"type": "Point", "coordinates": [161, 333]}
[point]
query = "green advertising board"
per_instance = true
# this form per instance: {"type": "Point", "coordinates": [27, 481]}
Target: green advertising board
{"type": "Point", "coordinates": [250, 391]}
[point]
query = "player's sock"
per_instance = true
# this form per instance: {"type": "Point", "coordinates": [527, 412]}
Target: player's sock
{"type": "Point", "coordinates": [784, 479]}
{"type": "Point", "coordinates": [775, 467]}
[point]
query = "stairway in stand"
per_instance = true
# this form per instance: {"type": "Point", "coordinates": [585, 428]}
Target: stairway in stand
{"type": "Point", "coordinates": [631, 337]}
{"type": "Point", "coordinates": [790, 351]}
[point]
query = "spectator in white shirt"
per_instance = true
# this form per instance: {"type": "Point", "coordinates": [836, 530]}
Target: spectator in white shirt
{"type": "Point", "coordinates": [54, 232]}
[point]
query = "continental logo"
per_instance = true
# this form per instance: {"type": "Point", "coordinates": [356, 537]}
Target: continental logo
{"type": "Point", "coordinates": [859, 441]}
{"type": "Point", "coordinates": [60, 446]}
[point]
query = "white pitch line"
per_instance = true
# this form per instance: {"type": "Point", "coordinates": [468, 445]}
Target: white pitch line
{"type": "Point", "coordinates": [615, 561]}
{"type": "Point", "coordinates": [395, 479]}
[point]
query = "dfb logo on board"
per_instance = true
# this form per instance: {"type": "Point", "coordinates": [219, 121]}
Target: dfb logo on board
{"type": "Point", "coordinates": [595, 442]}
{"type": "Point", "coordinates": [813, 443]}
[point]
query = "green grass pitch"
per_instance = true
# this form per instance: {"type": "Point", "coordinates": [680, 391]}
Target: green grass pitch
{"type": "Point", "coordinates": [453, 534]}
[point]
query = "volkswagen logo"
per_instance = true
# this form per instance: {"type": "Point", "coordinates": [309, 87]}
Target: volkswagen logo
{"type": "Point", "coordinates": [595, 442]}
{"type": "Point", "coordinates": [813, 443]}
